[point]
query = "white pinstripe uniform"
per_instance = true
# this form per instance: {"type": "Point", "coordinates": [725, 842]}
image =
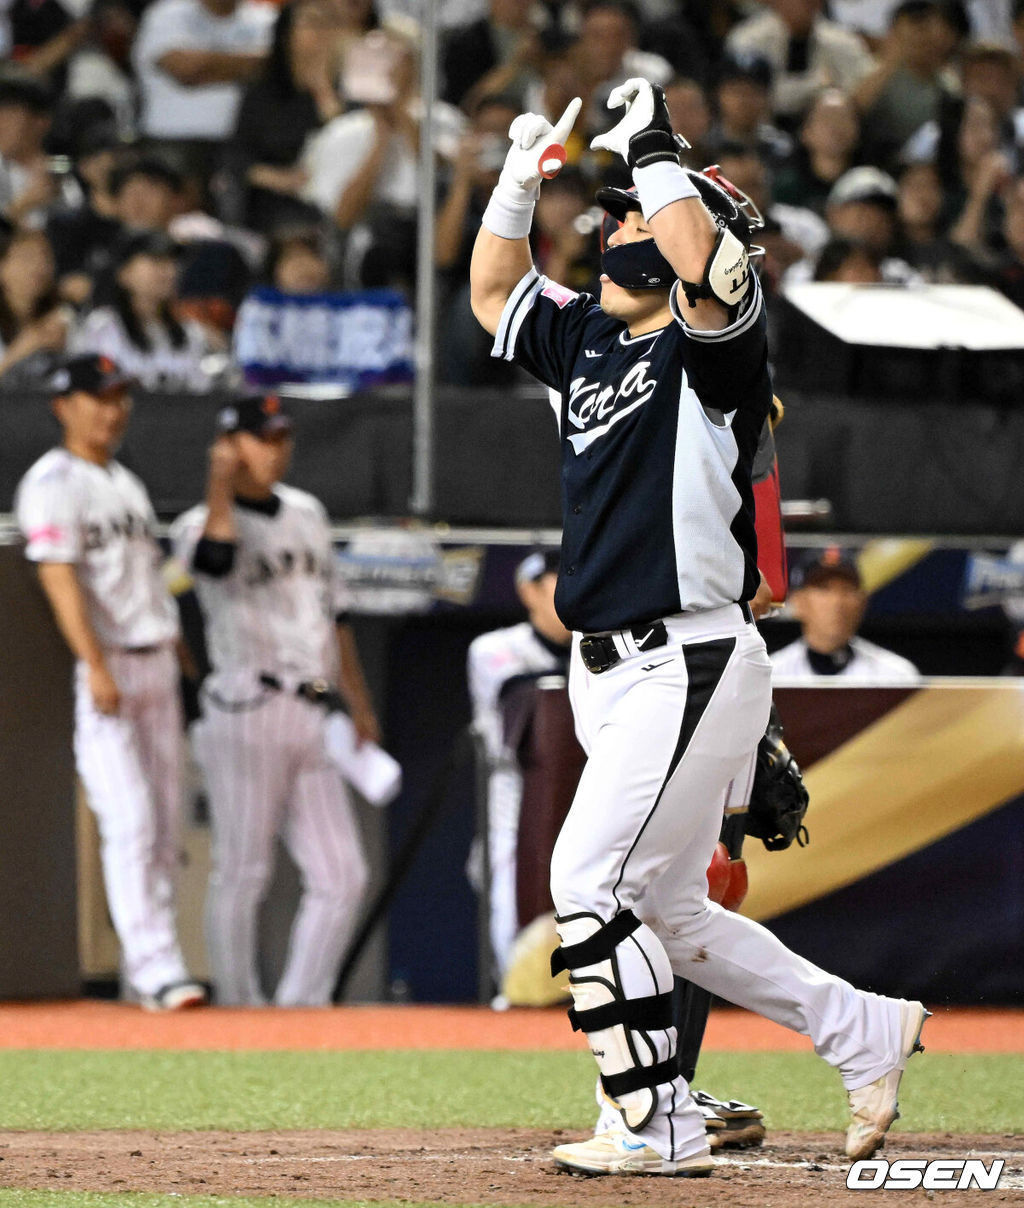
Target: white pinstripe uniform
{"type": "Point", "coordinates": [493, 659]}
{"type": "Point", "coordinates": [99, 519]}
{"type": "Point", "coordinates": [262, 749]}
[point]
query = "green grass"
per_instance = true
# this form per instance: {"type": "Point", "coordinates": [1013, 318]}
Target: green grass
{"type": "Point", "coordinates": [67, 1091]}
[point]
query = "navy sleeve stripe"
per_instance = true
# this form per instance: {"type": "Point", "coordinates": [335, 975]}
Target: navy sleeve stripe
{"type": "Point", "coordinates": [516, 309]}
{"type": "Point", "coordinates": [746, 319]}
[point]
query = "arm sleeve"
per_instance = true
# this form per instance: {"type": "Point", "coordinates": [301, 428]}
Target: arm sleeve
{"type": "Point", "coordinates": [542, 327]}
{"type": "Point", "coordinates": [728, 368]}
{"type": "Point", "coordinates": [213, 558]}
{"type": "Point", "coordinates": [48, 519]}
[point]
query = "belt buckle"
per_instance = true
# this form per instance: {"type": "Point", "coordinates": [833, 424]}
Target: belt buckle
{"type": "Point", "coordinates": [314, 690]}
{"type": "Point", "coordinates": [594, 661]}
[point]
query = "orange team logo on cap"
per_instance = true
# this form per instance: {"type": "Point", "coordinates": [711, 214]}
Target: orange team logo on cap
{"type": "Point", "coordinates": [832, 556]}
{"type": "Point", "coordinates": [271, 405]}
{"type": "Point", "coordinates": [106, 365]}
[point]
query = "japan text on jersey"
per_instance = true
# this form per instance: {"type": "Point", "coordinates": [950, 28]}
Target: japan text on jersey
{"type": "Point", "coordinates": [658, 435]}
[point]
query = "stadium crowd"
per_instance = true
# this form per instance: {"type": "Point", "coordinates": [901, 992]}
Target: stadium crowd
{"type": "Point", "coordinates": [158, 160]}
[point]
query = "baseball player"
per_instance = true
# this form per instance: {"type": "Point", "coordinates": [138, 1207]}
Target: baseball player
{"type": "Point", "coordinates": [828, 599]}
{"type": "Point", "coordinates": [266, 579]}
{"type": "Point", "coordinates": [89, 527]}
{"type": "Point", "coordinates": [536, 646]}
{"type": "Point", "coordinates": [663, 391]}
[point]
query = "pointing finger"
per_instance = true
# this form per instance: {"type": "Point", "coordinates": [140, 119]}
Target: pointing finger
{"type": "Point", "coordinates": [563, 127]}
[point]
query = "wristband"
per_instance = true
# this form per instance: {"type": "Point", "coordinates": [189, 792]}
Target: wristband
{"type": "Point", "coordinates": [510, 217]}
{"type": "Point", "coordinates": [660, 184]}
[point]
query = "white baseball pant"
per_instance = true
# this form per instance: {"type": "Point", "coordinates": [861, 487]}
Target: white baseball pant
{"type": "Point", "coordinates": [267, 773]}
{"type": "Point", "coordinates": [666, 730]}
{"type": "Point", "coordinates": [130, 764]}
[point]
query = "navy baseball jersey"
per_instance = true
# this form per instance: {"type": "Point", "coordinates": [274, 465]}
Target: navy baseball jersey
{"type": "Point", "coordinates": [658, 436]}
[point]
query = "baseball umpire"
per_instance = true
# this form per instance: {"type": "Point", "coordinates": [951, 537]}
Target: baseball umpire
{"type": "Point", "coordinates": [267, 583]}
{"type": "Point", "coordinates": [663, 389]}
{"type": "Point", "coordinates": [90, 527]}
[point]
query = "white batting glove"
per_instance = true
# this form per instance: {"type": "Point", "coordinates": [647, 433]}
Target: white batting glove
{"type": "Point", "coordinates": [537, 152]}
{"type": "Point", "coordinates": [643, 135]}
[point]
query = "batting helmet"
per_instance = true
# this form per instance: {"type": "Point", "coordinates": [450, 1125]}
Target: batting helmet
{"type": "Point", "coordinates": [641, 265]}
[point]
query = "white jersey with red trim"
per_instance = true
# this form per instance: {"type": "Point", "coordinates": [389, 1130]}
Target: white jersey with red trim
{"type": "Point", "coordinates": [100, 519]}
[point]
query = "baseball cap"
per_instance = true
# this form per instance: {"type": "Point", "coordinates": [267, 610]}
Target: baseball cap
{"type": "Point", "coordinates": [536, 564]}
{"type": "Point", "coordinates": [864, 184]}
{"type": "Point", "coordinates": [260, 414]}
{"type": "Point", "coordinates": [741, 65]}
{"type": "Point", "coordinates": [820, 568]}
{"type": "Point", "coordinates": [91, 373]}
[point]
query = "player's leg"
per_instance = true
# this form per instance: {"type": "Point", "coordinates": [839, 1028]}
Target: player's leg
{"type": "Point", "coordinates": [322, 834]}
{"type": "Point", "coordinates": [504, 792]}
{"type": "Point", "coordinates": [667, 745]}
{"type": "Point", "coordinates": [243, 754]}
{"type": "Point", "coordinates": [108, 754]}
{"type": "Point", "coordinates": [868, 1038]}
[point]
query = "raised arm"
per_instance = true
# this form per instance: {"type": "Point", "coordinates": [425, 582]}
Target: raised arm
{"type": "Point", "coordinates": [711, 263]}
{"type": "Point", "coordinates": [501, 254]}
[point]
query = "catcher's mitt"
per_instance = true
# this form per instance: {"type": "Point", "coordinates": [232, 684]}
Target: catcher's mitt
{"type": "Point", "coordinates": [778, 800]}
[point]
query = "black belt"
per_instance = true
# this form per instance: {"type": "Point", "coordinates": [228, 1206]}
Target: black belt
{"type": "Point", "coordinates": [141, 649]}
{"type": "Point", "coordinates": [598, 649]}
{"type": "Point", "coordinates": [317, 692]}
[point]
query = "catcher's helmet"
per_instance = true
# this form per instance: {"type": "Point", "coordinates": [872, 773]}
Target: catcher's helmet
{"type": "Point", "coordinates": [641, 265]}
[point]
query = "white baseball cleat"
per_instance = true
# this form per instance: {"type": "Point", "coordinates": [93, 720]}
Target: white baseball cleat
{"type": "Point", "coordinates": [875, 1107]}
{"type": "Point", "coordinates": [616, 1152]}
{"type": "Point", "coordinates": [180, 996]}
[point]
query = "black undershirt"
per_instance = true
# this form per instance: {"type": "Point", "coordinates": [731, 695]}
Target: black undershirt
{"type": "Point", "coordinates": [830, 664]}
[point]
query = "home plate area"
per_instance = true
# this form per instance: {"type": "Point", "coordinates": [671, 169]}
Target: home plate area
{"type": "Point", "coordinates": [460, 1166]}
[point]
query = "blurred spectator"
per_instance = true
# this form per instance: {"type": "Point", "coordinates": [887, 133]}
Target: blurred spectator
{"type": "Point", "coordinates": [791, 232]}
{"type": "Point", "coordinates": [1018, 24]}
{"type": "Point", "coordinates": [922, 240]}
{"type": "Point", "coordinates": [691, 117]}
{"type": "Point", "coordinates": [191, 58]}
{"type": "Point", "coordinates": [566, 249]}
{"type": "Point", "coordinates": [147, 193]}
{"type": "Point", "coordinates": [983, 172]}
{"type": "Point", "coordinates": [363, 166]}
{"type": "Point", "coordinates": [101, 66]}
{"type": "Point", "coordinates": [556, 86]}
{"type": "Point", "coordinates": [848, 261]}
{"type": "Point", "coordinates": [496, 54]}
{"type": "Point", "coordinates": [991, 74]}
{"type": "Point", "coordinates": [828, 598]}
{"type": "Point", "coordinates": [295, 95]}
{"type": "Point", "coordinates": [33, 322]}
{"type": "Point", "coordinates": [806, 52]}
{"type": "Point", "coordinates": [27, 185]}
{"type": "Point", "coordinates": [827, 147]}
{"type": "Point", "coordinates": [1010, 268]}
{"type": "Point", "coordinates": [480, 157]}
{"type": "Point", "coordinates": [744, 104]}
{"type": "Point", "coordinates": [139, 330]}
{"type": "Point", "coordinates": [464, 348]}
{"type": "Point", "coordinates": [296, 263]}
{"type": "Point", "coordinates": [605, 54]}
{"type": "Point", "coordinates": [43, 34]}
{"type": "Point", "coordinates": [862, 208]}
{"type": "Point", "coordinates": [908, 87]}
{"type": "Point", "coordinates": [82, 236]}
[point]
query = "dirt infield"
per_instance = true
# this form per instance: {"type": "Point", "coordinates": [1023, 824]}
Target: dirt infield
{"type": "Point", "coordinates": [451, 1166]}
{"type": "Point", "coordinates": [107, 1025]}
